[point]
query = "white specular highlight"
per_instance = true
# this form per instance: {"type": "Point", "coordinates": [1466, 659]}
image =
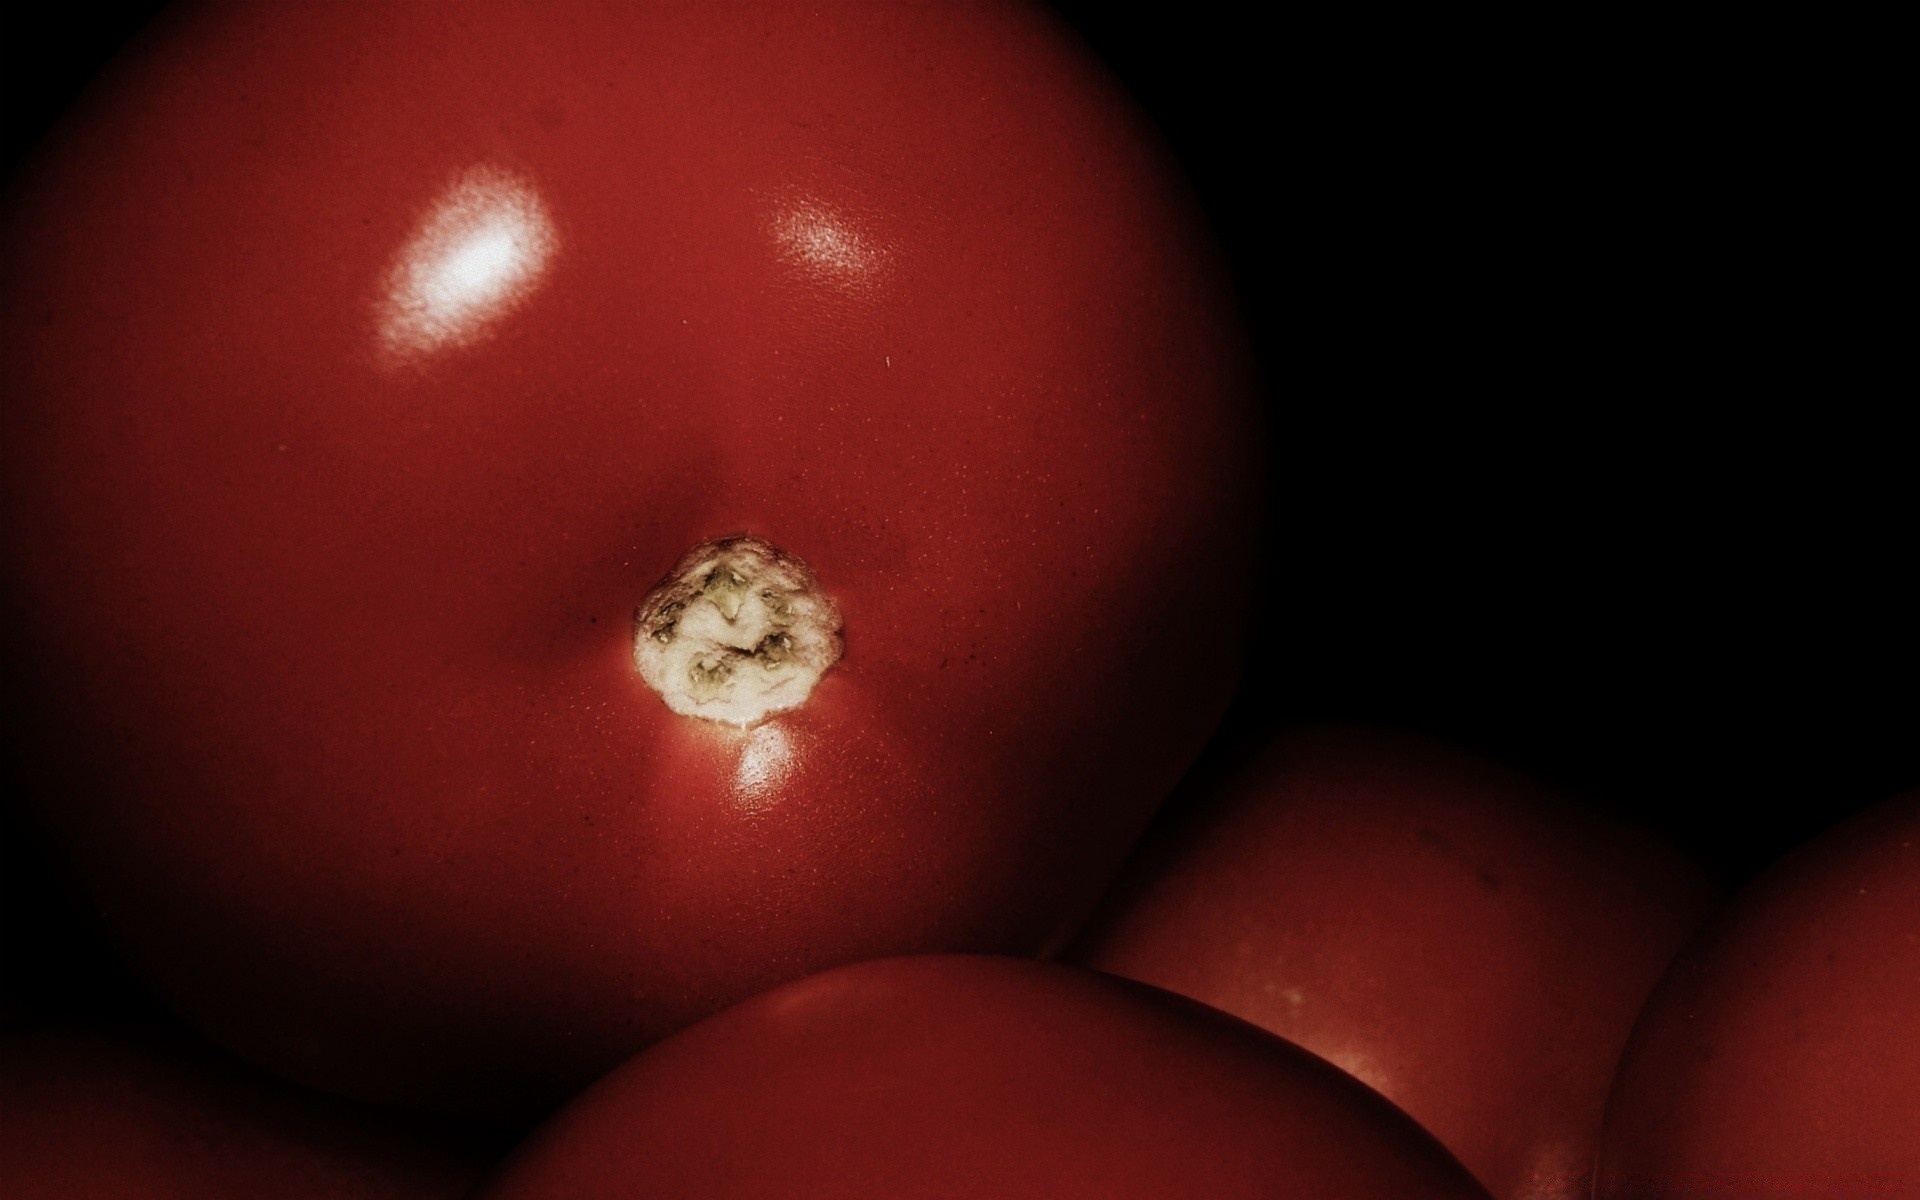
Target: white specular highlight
{"type": "Point", "coordinates": [828, 244]}
{"type": "Point", "coordinates": [762, 767]}
{"type": "Point", "coordinates": [479, 252]}
{"type": "Point", "coordinates": [739, 630]}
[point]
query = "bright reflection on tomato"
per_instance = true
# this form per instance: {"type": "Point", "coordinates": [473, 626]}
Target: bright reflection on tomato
{"type": "Point", "coordinates": [479, 252]}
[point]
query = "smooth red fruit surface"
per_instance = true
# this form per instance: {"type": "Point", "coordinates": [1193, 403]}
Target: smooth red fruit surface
{"type": "Point", "coordinates": [969, 1077]}
{"type": "Point", "coordinates": [367, 364]}
{"type": "Point", "coordinates": [1779, 1056]}
{"type": "Point", "coordinates": [92, 1116]}
{"type": "Point", "coordinates": [1468, 943]}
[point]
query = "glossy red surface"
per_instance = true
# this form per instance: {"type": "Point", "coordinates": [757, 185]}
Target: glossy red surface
{"type": "Point", "coordinates": [365, 365]}
{"type": "Point", "coordinates": [93, 1116]}
{"type": "Point", "coordinates": [1778, 1057]}
{"type": "Point", "coordinates": [1468, 943]}
{"type": "Point", "coordinates": [962, 1077]}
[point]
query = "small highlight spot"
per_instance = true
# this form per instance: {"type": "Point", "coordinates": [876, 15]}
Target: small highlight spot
{"type": "Point", "coordinates": [829, 244]}
{"type": "Point", "coordinates": [764, 762]}
{"type": "Point", "coordinates": [477, 255]}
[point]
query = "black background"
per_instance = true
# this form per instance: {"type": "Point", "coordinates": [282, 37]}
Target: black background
{"type": "Point", "coordinates": [1587, 446]}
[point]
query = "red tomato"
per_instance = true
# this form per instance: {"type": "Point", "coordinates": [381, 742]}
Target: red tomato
{"type": "Point", "coordinates": [368, 365]}
{"type": "Point", "coordinates": [116, 1118]}
{"type": "Point", "coordinates": [1778, 1057]}
{"type": "Point", "coordinates": [1464, 941]}
{"type": "Point", "coordinates": [959, 1077]}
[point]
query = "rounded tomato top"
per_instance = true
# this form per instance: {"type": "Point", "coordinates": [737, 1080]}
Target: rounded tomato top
{"type": "Point", "coordinates": [1456, 935]}
{"type": "Point", "coordinates": [1778, 1055]}
{"type": "Point", "coordinates": [368, 367]}
{"type": "Point", "coordinates": [968, 1077]}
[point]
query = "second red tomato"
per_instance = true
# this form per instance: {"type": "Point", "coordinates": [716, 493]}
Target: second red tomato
{"type": "Point", "coordinates": [1457, 936]}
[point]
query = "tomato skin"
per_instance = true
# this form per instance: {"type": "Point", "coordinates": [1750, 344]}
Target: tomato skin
{"type": "Point", "coordinates": [958, 1076]}
{"type": "Point", "coordinates": [321, 640]}
{"type": "Point", "coordinates": [1471, 945]}
{"type": "Point", "coordinates": [118, 1116]}
{"type": "Point", "coordinates": [1778, 1055]}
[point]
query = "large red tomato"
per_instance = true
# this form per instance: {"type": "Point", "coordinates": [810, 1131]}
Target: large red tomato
{"type": "Point", "coordinates": [956, 1078]}
{"type": "Point", "coordinates": [1457, 936]}
{"type": "Point", "coordinates": [408, 403]}
{"type": "Point", "coordinates": [96, 1116]}
{"type": "Point", "coordinates": [1779, 1056]}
